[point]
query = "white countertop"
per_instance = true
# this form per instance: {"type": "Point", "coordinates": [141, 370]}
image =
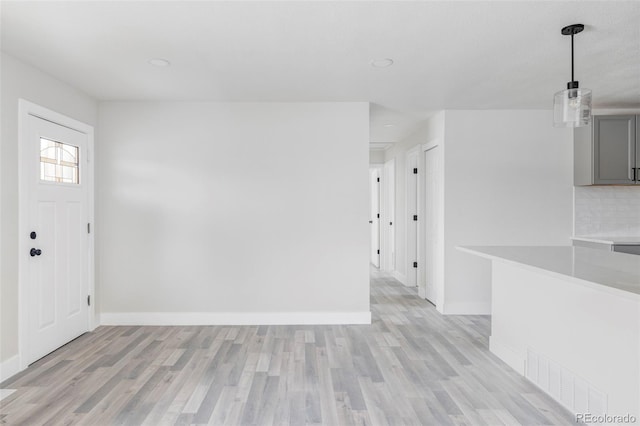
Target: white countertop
{"type": "Point", "coordinates": [616, 271]}
{"type": "Point", "coordinates": [607, 239]}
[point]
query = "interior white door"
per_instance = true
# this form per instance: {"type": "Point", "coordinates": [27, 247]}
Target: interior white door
{"type": "Point", "coordinates": [374, 178]}
{"type": "Point", "coordinates": [388, 201]}
{"type": "Point", "coordinates": [432, 223]}
{"type": "Point", "coordinates": [57, 268]}
{"type": "Point", "coordinates": [412, 218]}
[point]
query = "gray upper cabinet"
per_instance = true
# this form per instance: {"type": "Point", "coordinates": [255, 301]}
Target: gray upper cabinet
{"type": "Point", "coordinates": [608, 151]}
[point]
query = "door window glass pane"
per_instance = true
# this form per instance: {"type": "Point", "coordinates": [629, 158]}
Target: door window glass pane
{"type": "Point", "coordinates": [58, 162]}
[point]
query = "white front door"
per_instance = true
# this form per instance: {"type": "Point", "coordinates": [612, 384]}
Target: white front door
{"type": "Point", "coordinates": [57, 192]}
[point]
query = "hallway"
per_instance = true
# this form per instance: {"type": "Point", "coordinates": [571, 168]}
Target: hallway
{"type": "Point", "coordinates": [411, 366]}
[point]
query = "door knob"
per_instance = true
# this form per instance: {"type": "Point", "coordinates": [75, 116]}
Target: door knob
{"type": "Point", "coordinates": [35, 252]}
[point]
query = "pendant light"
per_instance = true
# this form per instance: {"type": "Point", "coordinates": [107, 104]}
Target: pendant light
{"type": "Point", "coordinates": [572, 107]}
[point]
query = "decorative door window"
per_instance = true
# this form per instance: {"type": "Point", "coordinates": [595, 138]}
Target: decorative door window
{"type": "Point", "coordinates": [58, 162]}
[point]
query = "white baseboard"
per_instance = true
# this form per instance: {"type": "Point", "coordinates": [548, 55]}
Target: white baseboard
{"type": "Point", "coordinates": [234, 318]}
{"type": "Point", "coordinates": [400, 277]}
{"type": "Point", "coordinates": [508, 354]}
{"type": "Point", "coordinates": [9, 368]}
{"type": "Point", "coordinates": [97, 321]}
{"type": "Point", "coordinates": [467, 308]}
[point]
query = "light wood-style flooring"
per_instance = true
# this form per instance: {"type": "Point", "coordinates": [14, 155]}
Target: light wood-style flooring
{"type": "Point", "coordinates": [412, 366]}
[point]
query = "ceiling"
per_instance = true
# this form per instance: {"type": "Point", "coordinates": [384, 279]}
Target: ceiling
{"type": "Point", "coordinates": [447, 54]}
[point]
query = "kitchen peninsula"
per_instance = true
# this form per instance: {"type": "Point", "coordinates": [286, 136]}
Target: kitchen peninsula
{"type": "Point", "coordinates": [568, 318]}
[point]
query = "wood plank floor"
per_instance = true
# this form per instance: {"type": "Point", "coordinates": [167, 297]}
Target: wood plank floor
{"type": "Point", "coordinates": [411, 366]}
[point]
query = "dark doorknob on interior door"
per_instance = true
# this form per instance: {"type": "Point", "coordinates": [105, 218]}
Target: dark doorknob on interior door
{"type": "Point", "coordinates": [35, 252]}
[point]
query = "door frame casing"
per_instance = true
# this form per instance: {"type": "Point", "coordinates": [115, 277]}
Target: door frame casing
{"type": "Point", "coordinates": [409, 251]}
{"type": "Point", "coordinates": [25, 110]}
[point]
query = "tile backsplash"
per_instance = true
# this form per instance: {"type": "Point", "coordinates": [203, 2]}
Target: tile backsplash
{"type": "Point", "coordinates": [607, 210]}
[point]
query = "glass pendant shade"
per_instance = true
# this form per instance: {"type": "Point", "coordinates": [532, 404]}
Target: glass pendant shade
{"type": "Point", "coordinates": [572, 108]}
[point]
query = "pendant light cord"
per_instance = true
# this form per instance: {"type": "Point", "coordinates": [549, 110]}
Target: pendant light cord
{"type": "Point", "coordinates": [572, 79]}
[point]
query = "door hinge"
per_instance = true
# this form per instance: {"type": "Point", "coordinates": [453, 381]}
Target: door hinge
{"type": "Point", "coordinates": [89, 300]}
{"type": "Point", "coordinates": [390, 223]}
{"type": "Point", "coordinates": [378, 251]}
{"type": "Point", "coordinates": [88, 228]}
{"type": "Point", "coordinates": [415, 264]}
{"type": "Point", "coordinates": [378, 215]}
{"type": "Point", "coordinates": [415, 170]}
{"type": "Point", "coordinates": [378, 180]}
{"type": "Point", "coordinates": [415, 217]}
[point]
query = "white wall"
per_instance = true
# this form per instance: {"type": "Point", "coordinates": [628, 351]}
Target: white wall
{"type": "Point", "coordinates": [508, 181]}
{"type": "Point", "coordinates": [23, 81]}
{"type": "Point", "coordinates": [376, 156]}
{"type": "Point", "coordinates": [233, 211]}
